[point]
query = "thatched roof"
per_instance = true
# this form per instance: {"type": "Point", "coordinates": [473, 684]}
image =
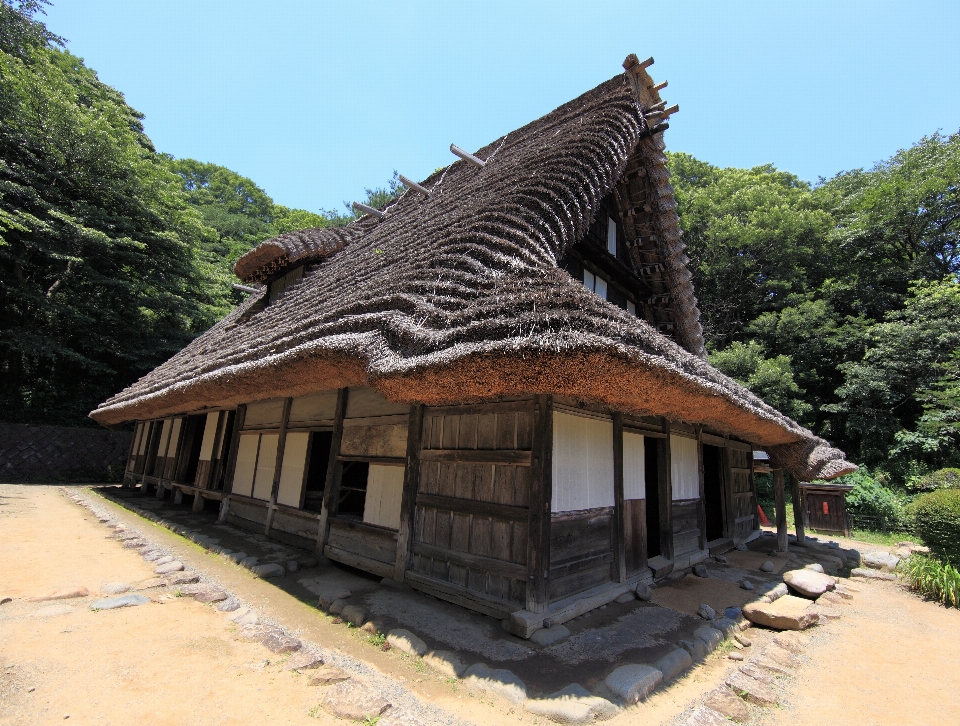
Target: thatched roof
{"type": "Point", "coordinates": [459, 296]}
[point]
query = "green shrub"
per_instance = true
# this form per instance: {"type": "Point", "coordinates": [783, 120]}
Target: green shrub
{"type": "Point", "coordinates": [940, 479]}
{"type": "Point", "coordinates": [869, 498]}
{"type": "Point", "coordinates": [932, 578]}
{"type": "Point", "coordinates": [935, 519]}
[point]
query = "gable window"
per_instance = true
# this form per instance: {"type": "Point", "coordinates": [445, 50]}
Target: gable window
{"type": "Point", "coordinates": [278, 287]}
{"type": "Point", "coordinates": [631, 307]}
{"type": "Point", "coordinates": [612, 236]}
{"type": "Point", "coordinates": [595, 283]}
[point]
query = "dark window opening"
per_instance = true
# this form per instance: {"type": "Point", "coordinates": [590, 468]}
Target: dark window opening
{"type": "Point", "coordinates": [712, 492]}
{"type": "Point", "coordinates": [153, 446]}
{"type": "Point", "coordinates": [190, 456]}
{"type": "Point", "coordinates": [226, 436]}
{"type": "Point", "coordinates": [353, 489]}
{"type": "Point", "coordinates": [652, 466]}
{"type": "Point", "coordinates": [318, 459]}
{"type": "Point", "coordinates": [278, 287]}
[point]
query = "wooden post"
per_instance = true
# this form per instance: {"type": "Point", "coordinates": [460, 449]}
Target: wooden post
{"type": "Point", "coordinates": [278, 467]}
{"type": "Point", "coordinates": [797, 510]}
{"type": "Point", "coordinates": [411, 485]}
{"type": "Point", "coordinates": [541, 494]}
{"type": "Point", "coordinates": [238, 422]}
{"type": "Point", "coordinates": [619, 530]}
{"type": "Point", "coordinates": [781, 504]}
{"type": "Point", "coordinates": [701, 506]}
{"type": "Point", "coordinates": [729, 510]}
{"type": "Point", "coordinates": [665, 478]}
{"type": "Point", "coordinates": [331, 487]}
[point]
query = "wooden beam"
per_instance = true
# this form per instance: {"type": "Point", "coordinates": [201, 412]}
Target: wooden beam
{"type": "Point", "coordinates": [331, 487]}
{"type": "Point", "coordinates": [619, 542]}
{"type": "Point", "coordinates": [504, 457]}
{"type": "Point", "coordinates": [480, 563]}
{"type": "Point", "coordinates": [367, 209]}
{"type": "Point", "coordinates": [278, 467]}
{"type": "Point", "coordinates": [467, 157]}
{"type": "Point", "coordinates": [798, 509]}
{"type": "Point", "coordinates": [781, 504]}
{"type": "Point", "coordinates": [541, 493]}
{"type": "Point", "coordinates": [411, 484]}
{"type": "Point", "coordinates": [660, 86]}
{"type": "Point", "coordinates": [473, 507]}
{"type": "Point", "coordinates": [665, 480]}
{"type": "Point", "coordinates": [413, 185]}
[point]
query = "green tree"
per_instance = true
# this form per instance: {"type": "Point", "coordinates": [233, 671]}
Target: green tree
{"type": "Point", "coordinates": [770, 378]}
{"type": "Point", "coordinates": [755, 237]}
{"type": "Point", "coordinates": [97, 245]}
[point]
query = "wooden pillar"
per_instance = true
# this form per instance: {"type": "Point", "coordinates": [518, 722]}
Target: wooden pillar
{"type": "Point", "coordinates": [231, 461]}
{"type": "Point", "coordinates": [781, 503]}
{"type": "Point", "coordinates": [541, 494]}
{"type": "Point", "coordinates": [797, 510]}
{"type": "Point", "coordinates": [278, 467]}
{"type": "Point", "coordinates": [411, 485]}
{"type": "Point", "coordinates": [665, 479]}
{"type": "Point", "coordinates": [331, 487]}
{"type": "Point", "coordinates": [619, 529]}
{"type": "Point", "coordinates": [701, 506]}
{"type": "Point", "coordinates": [729, 509]}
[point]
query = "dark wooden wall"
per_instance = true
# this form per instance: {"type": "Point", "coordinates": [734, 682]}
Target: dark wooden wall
{"type": "Point", "coordinates": [742, 496]}
{"type": "Point", "coordinates": [472, 505]}
{"type": "Point", "coordinates": [685, 525]}
{"type": "Point", "coordinates": [581, 551]}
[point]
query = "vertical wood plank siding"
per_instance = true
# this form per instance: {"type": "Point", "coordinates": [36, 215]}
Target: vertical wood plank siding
{"type": "Point", "coordinates": [455, 538]}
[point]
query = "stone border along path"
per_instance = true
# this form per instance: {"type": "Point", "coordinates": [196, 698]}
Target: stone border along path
{"type": "Point", "coordinates": [355, 690]}
{"type": "Point", "coordinates": [751, 681]}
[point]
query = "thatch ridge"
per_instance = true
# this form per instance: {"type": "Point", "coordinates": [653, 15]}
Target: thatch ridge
{"type": "Point", "coordinates": [466, 283]}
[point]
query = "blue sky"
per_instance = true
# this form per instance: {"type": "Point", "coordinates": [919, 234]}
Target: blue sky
{"type": "Point", "coordinates": [315, 101]}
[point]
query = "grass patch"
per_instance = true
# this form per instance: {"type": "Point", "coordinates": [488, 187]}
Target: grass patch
{"type": "Point", "coordinates": [869, 536]}
{"type": "Point", "coordinates": [932, 578]}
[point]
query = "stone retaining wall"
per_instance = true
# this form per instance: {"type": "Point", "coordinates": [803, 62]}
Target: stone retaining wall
{"type": "Point", "coordinates": [60, 454]}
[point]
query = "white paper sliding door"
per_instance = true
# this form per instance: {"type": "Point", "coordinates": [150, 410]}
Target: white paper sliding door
{"type": "Point", "coordinates": [634, 466]}
{"type": "Point", "coordinates": [266, 466]}
{"type": "Point", "coordinates": [246, 465]}
{"type": "Point", "coordinates": [582, 462]}
{"type": "Point", "coordinates": [291, 472]}
{"type": "Point", "coordinates": [384, 491]}
{"type": "Point", "coordinates": [684, 468]}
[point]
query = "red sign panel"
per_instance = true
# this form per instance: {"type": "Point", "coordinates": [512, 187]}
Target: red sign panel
{"type": "Point", "coordinates": [826, 508]}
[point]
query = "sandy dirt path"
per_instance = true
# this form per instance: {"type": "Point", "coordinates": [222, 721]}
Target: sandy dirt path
{"type": "Point", "coordinates": [892, 659]}
{"type": "Point", "coordinates": [171, 663]}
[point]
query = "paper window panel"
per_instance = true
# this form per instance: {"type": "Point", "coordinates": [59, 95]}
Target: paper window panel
{"type": "Point", "coordinates": [631, 307]}
{"type": "Point", "coordinates": [582, 463]}
{"type": "Point", "coordinates": [634, 466]}
{"type": "Point", "coordinates": [246, 465]}
{"type": "Point", "coordinates": [684, 468]}
{"type": "Point", "coordinates": [174, 437]}
{"type": "Point", "coordinates": [209, 434]}
{"type": "Point", "coordinates": [137, 440]}
{"type": "Point", "coordinates": [589, 280]}
{"type": "Point", "coordinates": [601, 287]}
{"type": "Point", "coordinates": [165, 437]}
{"type": "Point", "coordinates": [612, 236]}
{"type": "Point", "coordinates": [384, 492]}
{"type": "Point", "coordinates": [144, 435]}
{"type": "Point", "coordinates": [266, 466]}
{"type": "Point", "coordinates": [291, 471]}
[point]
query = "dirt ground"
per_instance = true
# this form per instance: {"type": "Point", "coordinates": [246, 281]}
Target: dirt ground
{"type": "Point", "coordinates": [889, 660]}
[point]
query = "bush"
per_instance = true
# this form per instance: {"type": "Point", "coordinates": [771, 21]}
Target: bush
{"type": "Point", "coordinates": [941, 479]}
{"type": "Point", "coordinates": [935, 519]}
{"type": "Point", "coordinates": [869, 498]}
{"type": "Point", "coordinates": [932, 578]}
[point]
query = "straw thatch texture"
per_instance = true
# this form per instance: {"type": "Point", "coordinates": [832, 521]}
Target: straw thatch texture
{"type": "Point", "coordinates": [458, 296]}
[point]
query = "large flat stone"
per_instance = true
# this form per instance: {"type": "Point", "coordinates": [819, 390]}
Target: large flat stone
{"type": "Point", "coordinates": [727, 704]}
{"type": "Point", "coordinates": [706, 716]}
{"type": "Point", "coordinates": [660, 566]}
{"type": "Point", "coordinates": [407, 642]}
{"type": "Point", "coordinates": [500, 681]}
{"type": "Point", "coordinates": [785, 613]}
{"type": "Point", "coordinates": [879, 561]}
{"type": "Point", "coordinates": [280, 643]}
{"type": "Point", "coordinates": [697, 649]}
{"type": "Point", "coordinates": [354, 700]}
{"type": "Point", "coordinates": [869, 574]}
{"type": "Point", "coordinates": [303, 660]}
{"type": "Point", "coordinates": [124, 601]}
{"type": "Point", "coordinates": [328, 675]}
{"type": "Point", "coordinates": [445, 663]}
{"type": "Point", "coordinates": [166, 569]}
{"type": "Point", "coordinates": [572, 705]}
{"type": "Point", "coordinates": [356, 615]}
{"type": "Point", "coordinates": [725, 625]}
{"type": "Point", "coordinates": [268, 570]}
{"type": "Point", "coordinates": [551, 635]}
{"type": "Point", "coordinates": [674, 663]}
{"type": "Point", "coordinates": [327, 596]}
{"type": "Point", "coordinates": [711, 636]}
{"type": "Point", "coordinates": [632, 682]}
{"type": "Point", "coordinates": [751, 690]}
{"type": "Point", "coordinates": [809, 583]}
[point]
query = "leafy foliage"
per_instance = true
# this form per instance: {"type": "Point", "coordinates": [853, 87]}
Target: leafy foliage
{"type": "Point", "coordinates": [870, 498]}
{"type": "Point", "coordinates": [932, 578]}
{"type": "Point", "coordinates": [770, 378]}
{"type": "Point", "coordinates": [935, 518]}
{"type": "Point", "coordinates": [941, 479]}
